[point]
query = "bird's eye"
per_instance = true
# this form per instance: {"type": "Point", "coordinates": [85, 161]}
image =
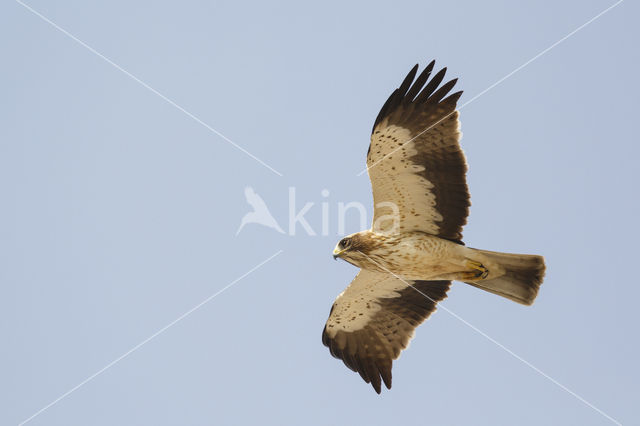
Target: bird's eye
{"type": "Point", "coordinates": [344, 242]}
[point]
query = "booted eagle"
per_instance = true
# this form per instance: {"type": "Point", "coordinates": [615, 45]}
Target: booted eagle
{"type": "Point", "coordinates": [414, 248]}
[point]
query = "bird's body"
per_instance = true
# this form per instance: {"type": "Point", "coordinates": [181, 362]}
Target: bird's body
{"type": "Point", "coordinates": [412, 256]}
{"type": "Point", "coordinates": [414, 248]}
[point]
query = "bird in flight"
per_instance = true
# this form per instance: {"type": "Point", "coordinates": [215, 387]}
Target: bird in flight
{"type": "Point", "coordinates": [414, 248]}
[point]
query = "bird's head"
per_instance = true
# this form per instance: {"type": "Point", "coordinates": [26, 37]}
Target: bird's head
{"type": "Point", "coordinates": [353, 248]}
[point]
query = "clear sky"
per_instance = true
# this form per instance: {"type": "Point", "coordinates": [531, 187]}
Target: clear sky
{"type": "Point", "coordinates": [120, 210]}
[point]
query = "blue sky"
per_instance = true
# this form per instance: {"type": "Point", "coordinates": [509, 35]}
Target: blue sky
{"type": "Point", "coordinates": [121, 206]}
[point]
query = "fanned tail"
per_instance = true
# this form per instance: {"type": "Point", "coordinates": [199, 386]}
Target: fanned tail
{"type": "Point", "coordinates": [521, 280]}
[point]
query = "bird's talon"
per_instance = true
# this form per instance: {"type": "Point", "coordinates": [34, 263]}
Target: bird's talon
{"type": "Point", "coordinates": [479, 270]}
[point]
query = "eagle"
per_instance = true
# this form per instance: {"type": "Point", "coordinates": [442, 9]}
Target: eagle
{"type": "Point", "coordinates": [414, 248]}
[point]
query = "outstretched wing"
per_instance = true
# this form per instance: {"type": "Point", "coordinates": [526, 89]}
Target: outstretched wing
{"type": "Point", "coordinates": [374, 319]}
{"type": "Point", "coordinates": [415, 161]}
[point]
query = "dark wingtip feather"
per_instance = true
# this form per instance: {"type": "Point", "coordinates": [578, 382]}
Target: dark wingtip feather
{"type": "Point", "coordinates": [386, 376]}
{"type": "Point", "coordinates": [453, 98]}
{"type": "Point", "coordinates": [411, 91]}
{"type": "Point", "coordinates": [431, 86]}
{"type": "Point", "coordinates": [419, 82]}
{"type": "Point", "coordinates": [406, 83]}
{"type": "Point", "coordinates": [374, 375]}
{"type": "Point", "coordinates": [442, 91]}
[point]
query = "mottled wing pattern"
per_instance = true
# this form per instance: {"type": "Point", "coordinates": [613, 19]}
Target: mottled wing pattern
{"type": "Point", "coordinates": [374, 319]}
{"type": "Point", "coordinates": [415, 161]}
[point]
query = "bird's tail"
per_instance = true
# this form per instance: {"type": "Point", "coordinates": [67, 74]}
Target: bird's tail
{"type": "Point", "coordinates": [521, 279]}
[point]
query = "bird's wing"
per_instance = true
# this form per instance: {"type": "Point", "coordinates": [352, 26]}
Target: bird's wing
{"type": "Point", "coordinates": [415, 161]}
{"type": "Point", "coordinates": [374, 319]}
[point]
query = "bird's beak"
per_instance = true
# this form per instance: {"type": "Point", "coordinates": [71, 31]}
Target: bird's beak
{"type": "Point", "coordinates": [337, 253]}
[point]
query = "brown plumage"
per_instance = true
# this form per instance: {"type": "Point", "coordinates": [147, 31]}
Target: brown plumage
{"type": "Point", "coordinates": [432, 132]}
{"type": "Point", "coordinates": [414, 248]}
{"type": "Point", "coordinates": [370, 351]}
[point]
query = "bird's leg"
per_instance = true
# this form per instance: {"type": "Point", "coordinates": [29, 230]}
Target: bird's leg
{"type": "Point", "coordinates": [477, 271]}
